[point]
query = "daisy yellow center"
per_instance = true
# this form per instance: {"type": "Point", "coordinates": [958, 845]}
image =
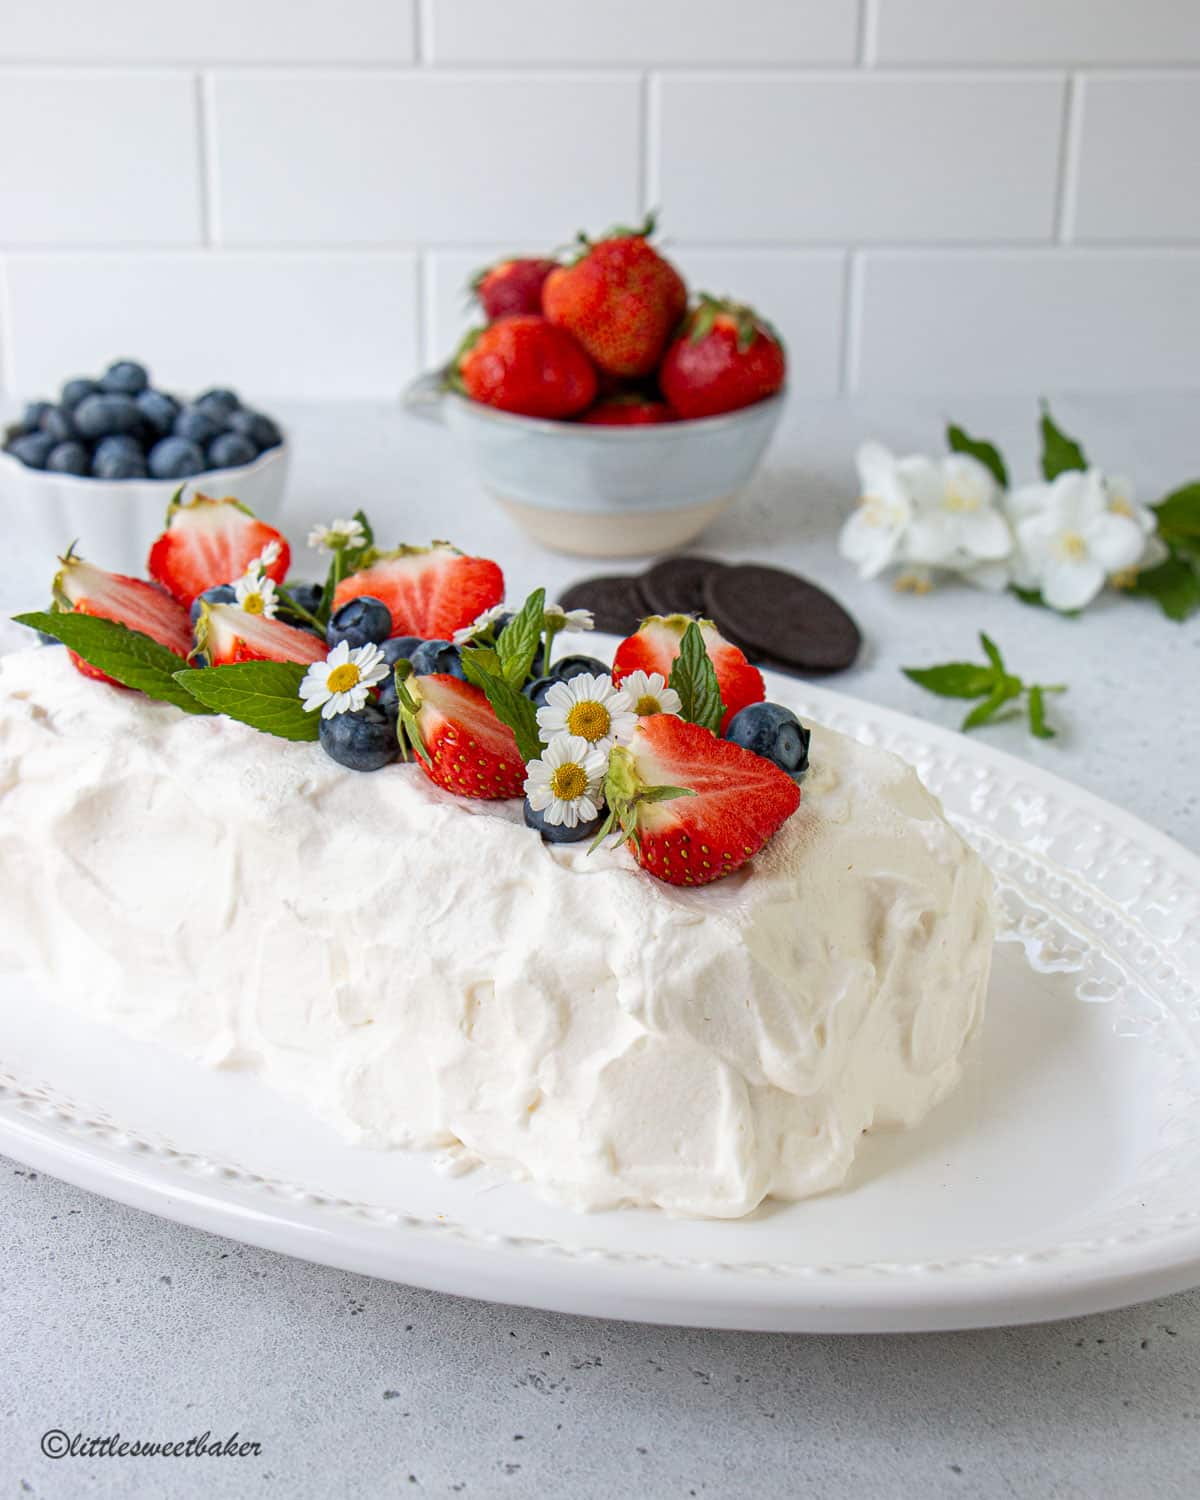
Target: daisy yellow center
{"type": "Point", "coordinates": [1072, 546]}
{"type": "Point", "coordinates": [342, 678]}
{"type": "Point", "coordinates": [647, 704]}
{"type": "Point", "coordinates": [589, 720]}
{"type": "Point", "coordinates": [568, 781]}
{"type": "Point", "coordinates": [253, 604]}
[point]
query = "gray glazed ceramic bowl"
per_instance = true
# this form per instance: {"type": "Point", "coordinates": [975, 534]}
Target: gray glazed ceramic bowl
{"type": "Point", "coordinates": [604, 491]}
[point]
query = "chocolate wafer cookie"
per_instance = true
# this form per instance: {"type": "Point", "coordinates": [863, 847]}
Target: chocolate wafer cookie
{"type": "Point", "coordinates": [788, 619]}
{"type": "Point", "coordinates": [616, 602]}
{"type": "Point", "coordinates": [675, 585]}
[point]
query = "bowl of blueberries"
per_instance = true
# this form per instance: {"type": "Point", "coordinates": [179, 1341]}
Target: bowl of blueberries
{"type": "Point", "coordinates": [103, 461]}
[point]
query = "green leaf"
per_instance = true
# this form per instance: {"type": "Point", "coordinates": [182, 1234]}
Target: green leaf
{"type": "Point", "coordinates": [1178, 516]}
{"type": "Point", "coordinates": [510, 705]}
{"type": "Point", "coordinates": [694, 678]}
{"type": "Point", "coordinates": [128, 656]}
{"type": "Point", "coordinates": [1059, 452]}
{"type": "Point", "coordinates": [1174, 586]}
{"type": "Point", "coordinates": [987, 453]}
{"type": "Point", "coordinates": [1034, 597]}
{"type": "Point", "coordinates": [1004, 692]}
{"type": "Point", "coordinates": [954, 679]}
{"type": "Point", "coordinates": [263, 694]}
{"type": "Point", "coordinates": [992, 652]}
{"type": "Point", "coordinates": [517, 643]}
{"type": "Point", "coordinates": [1037, 714]}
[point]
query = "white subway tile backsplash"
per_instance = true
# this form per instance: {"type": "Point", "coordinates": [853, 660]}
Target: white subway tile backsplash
{"type": "Point", "coordinates": [398, 157]}
{"type": "Point", "coordinates": [1138, 155]}
{"type": "Point", "coordinates": [135, 31]}
{"type": "Point", "coordinates": [327, 325]}
{"type": "Point", "coordinates": [961, 322]}
{"type": "Point", "coordinates": [636, 32]}
{"type": "Point", "coordinates": [921, 157]}
{"type": "Point", "coordinates": [1035, 31]}
{"type": "Point", "coordinates": [98, 158]}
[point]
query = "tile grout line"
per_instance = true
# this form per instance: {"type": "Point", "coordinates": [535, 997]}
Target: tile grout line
{"type": "Point", "coordinates": [1069, 158]}
{"type": "Point", "coordinates": [207, 151]}
{"type": "Point", "coordinates": [868, 29]}
{"type": "Point", "coordinates": [649, 185]}
{"type": "Point", "coordinates": [421, 29]}
{"type": "Point", "coordinates": [852, 271]}
{"type": "Point", "coordinates": [8, 382]}
{"type": "Point", "coordinates": [421, 289]}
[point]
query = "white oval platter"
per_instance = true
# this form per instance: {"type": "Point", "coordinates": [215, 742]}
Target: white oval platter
{"type": "Point", "coordinates": [1062, 1177]}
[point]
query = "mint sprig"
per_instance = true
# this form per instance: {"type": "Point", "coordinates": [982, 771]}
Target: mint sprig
{"type": "Point", "coordinates": [509, 703]}
{"type": "Point", "coordinates": [517, 643]}
{"type": "Point", "coordinates": [1060, 453]}
{"type": "Point", "coordinates": [959, 441]}
{"type": "Point", "coordinates": [992, 683]}
{"type": "Point", "coordinates": [694, 678]}
{"type": "Point", "coordinates": [128, 656]}
{"type": "Point", "coordinates": [263, 694]}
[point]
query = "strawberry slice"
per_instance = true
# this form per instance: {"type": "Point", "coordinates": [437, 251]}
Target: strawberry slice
{"type": "Point", "coordinates": [208, 542]}
{"type": "Point", "coordinates": [656, 644]}
{"type": "Point", "coordinates": [470, 752]}
{"type": "Point", "coordinates": [739, 800]}
{"type": "Point", "coordinates": [431, 591]}
{"type": "Point", "coordinates": [88, 590]}
{"type": "Point", "coordinates": [225, 633]}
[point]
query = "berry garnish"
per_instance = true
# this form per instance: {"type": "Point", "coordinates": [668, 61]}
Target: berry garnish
{"type": "Point", "coordinates": [437, 656]}
{"type": "Point", "coordinates": [459, 742]}
{"type": "Point", "coordinates": [430, 591]}
{"type": "Point", "coordinates": [774, 732]}
{"type": "Point", "coordinates": [89, 590]}
{"type": "Point", "coordinates": [227, 633]}
{"type": "Point", "coordinates": [561, 833]}
{"type": "Point", "coordinates": [362, 741]}
{"type": "Point", "coordinates": [209, 542]}
{"type": "Point", "coordinates": [358, 621]}
{"type": "Point", "coordinates": [655, 646]}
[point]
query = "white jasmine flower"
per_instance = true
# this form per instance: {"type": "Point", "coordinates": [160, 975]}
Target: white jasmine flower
{"type": "Point", "coordinates": [872, 536]}
{"type": "Point", "coordinates": [337, 534]}
{"type": "Point", "coordinates": [589, 707]}
{"type": "Point", "coordinates": [1122, 501]}
{"type": "Point", "coordinates": [479, 624]}
{"type": "Point", "coordinates": [649, 694]}
{"type": "Point", "coordinates": [255, 592]}
{"type": "Point", "coordinates": [956, 522]}
{"type": "Point", "coordinates": [569, 619]}
{"type": "Point", "coordinates": [340, 684]}
{"type": "Point", "coordinates": [1069, 540]}
{"type": "Point", "coordinates": [566, 783]}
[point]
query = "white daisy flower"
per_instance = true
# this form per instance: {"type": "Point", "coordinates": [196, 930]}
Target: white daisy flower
{"type": "Point", "coordinates": [255, 592]}
{"type": "Point", "coordinates": [337, 534]}
{"type": "Point", "coordinates": [268, 555]}
{"type": "Point", "coordinates": [649, 694]}
{"type": "Point", "coordinates": [569, 619]}
{"type": "Point", "coordinates": [340, 684]}
{"type": "Point", "coordinates": [566, 783]}
{"type": "Point", "coordinates": [590, 707]}
{"type": "Point", "coordinates": [479, 624]}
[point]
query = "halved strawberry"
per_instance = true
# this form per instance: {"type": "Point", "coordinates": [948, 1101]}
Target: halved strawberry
{"type": "Point", "coordinates": [225, 633]}
{"type": "Point", "coordinates": [656, 644]}
{"type": "Point", "coordinates": [88, 590]}
{"type": "Point", "coordinates": [470, 752]}
{"type": "Point", "coordinates": [208, 542]}
{"type": "Point", "coordinates": [431, 591]}
{"type": "Point", "coordinates": [738, 800]}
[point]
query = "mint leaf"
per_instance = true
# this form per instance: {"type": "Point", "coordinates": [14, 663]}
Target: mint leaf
{"type": "Point", "coordinates": [127, 656]}
{"type": "Point", "coordinates": [1004, 692]}
{"type": "Point", "coordinates": [1059, 452]}
{"type": "Point", "coordinates": [517, 643]}
{"type": "Point", "coordinates": [509, 704]}
{"type": "Point", "coordinates": [1037, 714]}
{"type": "Point", "coordinates": [1174, 586]}
{"type": "Point", "coordinates": [991, 651]}
{"type": "Point", "coordinates": [1178, 517]}
{"type": "Point", "coordinates": [954, 679]}
{"type": "Point", "coordinates": [263, 694]}
{"type": "Point", "coordinates": [694, 678]}
{"type": "Point", "coordinates": [988, 454]}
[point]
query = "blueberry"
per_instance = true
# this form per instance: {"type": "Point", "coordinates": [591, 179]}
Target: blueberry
{"type": "Point", "coordinates": [575, 666]}
{"type": "Point", "coordinates": [307, 595]}
{"type": "Point", "coordinates": [175, 458]}
{"type": "Point", "coordinates": [774, 732]}
{"type": "Point", "coordinates": [219, 404]}
{"type": "Point", "coordinates": [120, 443]}
{"type": "Point", "coordinates": [437, 656]}
{"type": "Point", "coordinates": [68, 458]}
{"type": "Point", "coordinates": [31, 421]}
{"type": "Point", "coordinates": [125, 377]}
{"type": "Point", "coordinates": [103, 414]}
{"type": "Point", "coordinates": [32, 448]}
{"type": "Point", "coordinates": [57, 422]}
{"type": "Point", "coordinates": [559, 833]}
{"type": "Point", "coordinates": [261, 431]}
{"type": "Point", "coordinates": [230, 450]}
{"type": "Point", "coordinates": [536, 690]}
{"type": "Point", "coordinates": [220, 593]}
{"type": "Point", "coordinates": [196, 425]}
{"type": "Point", "coordinates": [359, 621]}
{"type": "Point", "coordinates": [362, 741]}
{"type": "Point", "coordinates": [158, 410]}
{"type": "Point", "coordinates": [118, 463]}
{"type": "Point", "coordinates": [75, 390]}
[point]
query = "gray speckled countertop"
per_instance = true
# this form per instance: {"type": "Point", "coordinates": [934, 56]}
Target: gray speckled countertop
{"type": "Point", "coordinates": [111, 1319]}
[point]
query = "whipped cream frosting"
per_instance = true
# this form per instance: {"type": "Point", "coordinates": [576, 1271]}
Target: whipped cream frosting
{"type": "Point", "coordinates": [423, 971]}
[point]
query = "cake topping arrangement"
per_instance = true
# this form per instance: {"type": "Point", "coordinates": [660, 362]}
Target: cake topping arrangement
{"type": "Point", "coordinates": [412, 653]}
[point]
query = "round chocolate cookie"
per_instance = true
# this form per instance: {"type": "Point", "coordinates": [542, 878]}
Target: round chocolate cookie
{"type": "Point", "coordinates": [616, 602]}
{"type": "Point", "coordinates": [675, 585]}
{"type": "Point", "coordinates": [788, 619]}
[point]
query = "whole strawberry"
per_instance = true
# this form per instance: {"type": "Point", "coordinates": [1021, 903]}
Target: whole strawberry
{"type": "Point", "coordinates": [511, 287]}
{"type": "Point", "coordinates": [526, 365]}
{"type": "Point", "coordinates": [621, 299]}
{"type": "Point", "coordinates": [628, 411]}
{"type": "Point", "coordinates": [726, 357]}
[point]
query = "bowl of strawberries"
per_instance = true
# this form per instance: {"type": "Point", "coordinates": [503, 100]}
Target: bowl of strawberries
{"type": "Point", "coordinates": [606, 409]}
